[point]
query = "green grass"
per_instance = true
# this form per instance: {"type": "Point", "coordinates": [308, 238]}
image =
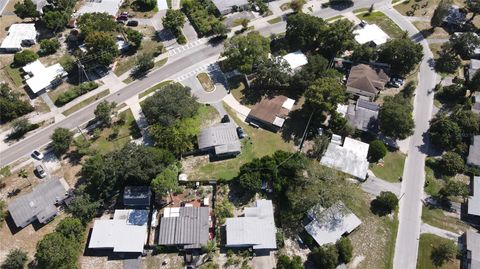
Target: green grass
{"type": "Point", "coordinates": [160, 63]}
{"type": "Point", "coordinates": [392, 168]}
{"type": "Point", "coordinates": [361, 10]}
{"type": "Point", "coordinates": [275, 20]}
{"type": "Point", "coordinates": [127, 63]}
{"type": "Point", "coordinates": [437, 218]}
{"type": "Point", "coordinates": [334, 18]}
{"type": "Point", "coordinates": [384, 22]}
{"type": "Point", "coordinates": [86, 102]}
{"type": "Point", "coordinates": [390, 248]}
{"type": "Point", "coordinates": [14, 75]}
{"type": "Point", "coordinates": [128, 80]}
{"type": "Point", "coordinates": [154, 88]}
{"type": "Point", "coordinates": [426, 244]}
{"type": "Point", "coordinates": [434, 184]}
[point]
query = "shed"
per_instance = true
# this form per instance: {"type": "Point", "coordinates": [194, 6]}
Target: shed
{"type": "Point", "coordinates": [137, 196]}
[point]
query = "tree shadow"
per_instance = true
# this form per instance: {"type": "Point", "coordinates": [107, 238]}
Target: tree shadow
{"type": "Point", "coordinates": [294, 126]}
{"type": "Point", "coordinates": [378, 209]}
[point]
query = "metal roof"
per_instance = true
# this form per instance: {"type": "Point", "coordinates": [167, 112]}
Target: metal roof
{"type": "Point", "coordinates": [370, 33]}
{"type": "Point", "coordinates": [222, 137]}
{"type": "Point", "coordinates": [38, 204]}
{"type": "Point", "coordinates": [473, 247]}
{"type": "Point", "coordinates": [225, 6]}
{"type": "Point", "coordinates": [137, 196]}
{"type": "Point", "coordinates": [188, 229]}
{"type": "Point", "coordinates": [41, 77]}
{"type": "Point", "coordinates": [363, 115]}
{"type": "Point", "coordinates": [474, 152]}
{"type": "Point", "coordinates": [474, 200]}
{"type": "Point", "coordinates": [296, 59]}
{"type": "Point", "coordinates": [17, 33]}
{"type": "Point", "coordinates": [350, 158]}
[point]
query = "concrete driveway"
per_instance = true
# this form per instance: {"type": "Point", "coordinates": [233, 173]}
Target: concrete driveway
{"type": "Point", "coordinates": [264, 260]}
{"type": "Point", "coordinates": [218, 78]}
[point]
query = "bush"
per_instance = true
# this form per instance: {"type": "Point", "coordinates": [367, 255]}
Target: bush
{"type": "Point", "coordinates": [16, 259]}
{"type": "Point", "coordinates": [61, 140]}
{"type": "Point", "coordinates": [451, 163]}
{"type": "Point", "coordinates": [325, 257]}
{"type": "Point", "coordinates": [11, 105]}
{"type": "Point", "coordinates": [444, 134]}
{"type": "Point", "coordinates": [75, 92]}
{"type": "Point", "coordinates": [49, 46]}
{"type": "Point", "coordinates": [181, 39]}
{"type": "Point", "coordinates": [385, 203]}
{"type": "Point", "coordinates": [376, 151]}
{"type": "Point", "coordinates": [345, 249]}
{"type": "Point", "coordinates": [24, 57]}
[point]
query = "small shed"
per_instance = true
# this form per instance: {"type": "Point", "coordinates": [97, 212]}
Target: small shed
{"type": "Point", "coordinates": [137, 196]}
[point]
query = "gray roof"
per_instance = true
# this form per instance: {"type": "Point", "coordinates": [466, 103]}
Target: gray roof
{"type": "Point", "coordinates": [473, 250]}
{"type": "Point", "coordinates": [350, 158]}
{"type": "Point", "coordinates": [363, 115]}
{"type": "Point", "coordinates": [38, 204]}
{"type": "Point", "coordinates": [256, 229]}
{"type": "Point", "coordinates": [455, 16]}
{"type": "Point", "coordinates": [137, 196]}
{"type": "Point", "coordinates": [474, 200]}
{"type": "Point", "coordinates": [225, 6]}
{"type": "Point", "coordinates": [221, 137]}
{"type": "Point", "coordinates": [188, 230]}
{"type": "Point", "coordinates": [474, 152]}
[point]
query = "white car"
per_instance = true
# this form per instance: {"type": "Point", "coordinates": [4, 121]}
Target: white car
{"type": "Point", "coordinates": [37, 155]}
{"type": "Point", "coordinates": [40, 171]}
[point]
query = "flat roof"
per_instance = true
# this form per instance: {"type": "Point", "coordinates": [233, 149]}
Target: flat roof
{"type": "Point", "coordinates": [41, 77]}
{"type": "Point", "coordinates": [351, 158]}
{"type": "Point", "coordinates": [296, 59]}
{"type": "Point", "coordinates": [17, 33]}
{"type": "Point", "coordinates": [126, 232]}
{"type": "Point", "coordinates": [473, 246]}
{"type": "Point", "coordinates": [370, 33]}
{"type": "Point", "coordinates": [327, 226]}
{"type": "Point", "coordinates": [226, 5]}
{"type": "Point", "coordinates": [363, 115]}
{"type": "Point", "coordinates": [108, 6]}
{"type": "Point", "coordinates": [474, 200]}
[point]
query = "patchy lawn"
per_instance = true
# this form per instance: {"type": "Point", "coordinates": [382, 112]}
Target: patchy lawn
{"type": "Point", "coordinates": [392, 167]}
{"type": "Point", "coordinates": [423, 8]}
{"type": "Point", "coordinates": [237, 89]}
{"type": "Point", "coordinates": [275, 20]}
{"type": "Point", "coordinates": [127, 62]}
{"type": "Point", "coordinates": [434, 184]}
{"type": "Point", "coordinates": [154, 88]}
{"type": "Point", "coordinates": [426, 29]}
{"type": "Point", "coordinates": [426, 244]}
{"type": "Point", "coordinates": [14, 75]}
{"type": "Point", "coordinates": [384, 22]}
{"type": "Point", "coordinates": [334, 18]}
{"type": "Point", "coordinates": [206, 81]}
{"type": "Point", "coordinates": [86, 102]}
{"type": "Point", "coordinates": [441, 219]}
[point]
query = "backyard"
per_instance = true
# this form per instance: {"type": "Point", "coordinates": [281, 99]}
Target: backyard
{"type": "Point", "coordinates": [427, 243]}
{"type": "Point", "coordinates": [391, 169]}
{"type": "Point", "coordinates": [384, 22]}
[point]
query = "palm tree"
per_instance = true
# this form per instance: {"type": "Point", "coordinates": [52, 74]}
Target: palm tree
{"type": "Point", "coordinates": [210, 250]}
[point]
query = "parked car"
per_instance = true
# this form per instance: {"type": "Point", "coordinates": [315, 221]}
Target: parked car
{"type": "Point", "coordinates": [398, 81]}
{"type": "Point", "coordinates": [132, 23]}
{"type": "Point", "coordinates": [240, 132]}
{"type": "Point", "coordinates": [40, 171]}
{"type": "Point", "coordinates": [362, 23]}
{"type": "Point", "coordinates": [393, 84]}
{"type": "Point", "coordinates": [225, 119]}
{"type": "Point", "coordinates": [37, 155]}
{"type": "Point", "coordinates": [122, 18]}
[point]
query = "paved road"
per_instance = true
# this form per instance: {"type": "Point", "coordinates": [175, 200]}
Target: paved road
{"type": "Point", "coordinates": [406, 247]}
{"type": "Point", "coordinates": [3, 4]}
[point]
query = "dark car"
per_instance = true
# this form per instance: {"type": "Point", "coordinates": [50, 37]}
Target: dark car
{"type": "Point", "coordinates": [132, 23]}
{"type": "Point", "coordinates": [240, 132]}
{"type": "Point", "coordinates": [225, 119]}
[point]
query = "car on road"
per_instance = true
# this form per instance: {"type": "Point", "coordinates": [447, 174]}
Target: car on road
{"type": "Point", "coordinates": [40, 171]}
{"type": "Point", "coordinates": [132, 23]}
{"type": "Point", "coordinates": [225, 119]}
{"type": "Point", "coordinates": [37, 155]}
{"type": "Point", "coordinates": [240, 132]}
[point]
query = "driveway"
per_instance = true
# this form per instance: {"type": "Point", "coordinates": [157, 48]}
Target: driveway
{"type": "Point", "coordinates": [264, 260]}
{"type": "Point", "coordinates": [374, 185]}
{"type": "Point", "coordinates": [218, 79]}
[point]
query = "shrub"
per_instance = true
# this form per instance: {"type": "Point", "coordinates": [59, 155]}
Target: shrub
{"type": "Point", "coordinates": [16, 259]}
{"type": "Point", "coordinates": [24, 57]}
{"type": "Point", "coordinates": [75, 92]}
{"type": "Point", "coordinates": [49, 46]}
{"type": "Point", "coordinates": [377, 150]}
{"type": "Point", "coordinates": [385, 203]}
{"type": "Point", "coordinates": [451, 163]}
{"type": "Point", "coordinates": [181, 39]}
{"type": "Point", "coordinates": [345, 249]}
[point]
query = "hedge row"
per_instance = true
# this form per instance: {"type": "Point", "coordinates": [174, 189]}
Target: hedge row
{"type": "Point", "coordinates": [75, 92]}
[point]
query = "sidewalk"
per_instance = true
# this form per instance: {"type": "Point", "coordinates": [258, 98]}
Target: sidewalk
{"type": "Point", "coordinates": [427, 228]}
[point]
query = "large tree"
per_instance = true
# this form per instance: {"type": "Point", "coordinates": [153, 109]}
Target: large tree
{"type": "Point", "coordinates": [178, 138]}
{"type": "Point", "coordinates": [402, 54]}
{"type": "Point", "coordinates": [71, 228]}
{"type": "Point", "coordinates": [174, 21]}
{"type": "Point", "coordinates": [444, 252]}
{"type": "Point", "coordinates": [61, 140]}
{"type": "Point", "coordinates": [324, 94]}
{"type": "Point", "coordinates": [11, 105]}
{"type": "Point", "coordinates": [337, 38]}
{"type": "Point", "coordinates": [55, 20]}
{"type": "Point", "coordinates": [468, 121]}
{"type": "Point", "coordinates": [441, 11]}
{"type": "Point", "coordinates": [395, 117]}
{"type": "Point", "coordinates": [464, 44]}
{"type": "Point", "coordinates": [96, 22]}
{"type": "Point", "coordinates": [272, 74]}
{"type": "Point", "coordinates": [325, 257]}
{"type": "Point", "coordinates": [451, 163]}
{"type": "Point", "coordinates": [385, 203]}
{"type": "Point", "coordinates": [444, 133]}
{"type": "Point", "coordinates": [304, 31]}
{"type": "Point", "coordinates": [57, 251]}
{"type": "Point", "coordinates": [165, 182]}
{"type": "Point", "coordinates": [82, 206]}
{"type": "Point", "coordinates": [101, 47]}
{"type": "Point", "coordinates": [26, 9]}
{"type": "Point", "coordinates": [134, 38]}
{"type": "Point", "coordinates": [317, 67]}
{"type": "Point", "coordinates": [245, 51]}
{"type": "Point", "coordinates": [104, 111]}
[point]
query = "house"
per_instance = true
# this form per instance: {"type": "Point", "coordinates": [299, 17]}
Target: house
{"type": "Point", "coordinates": [40, 204]}
{"type": "Point", "coordinates": [19, 34]}
{"type": "Point", "coordinates": [474, 200]}
{"type": "Point", "coordinates": [101, 6]}
{"type": "Point", "coordinates": [473, 158]}
{"type": "Point", "coordinates": [473, 68]}
{"type": "Point", "coordinates": [271, 113]}
{"type": "Point", "coordinates": [476, 103]}
{"type": "Point", "coordinates": [350, 158]}
{"type": "Point", "coordinates": [256, 229]}
{"type": "Point", "coordinates": [229, 6]}
{"type": "Point", "coordinates": [295, 60]}
{"type": "Point", "coordinates": [456, 16]}
{"type": "Point", "coordinates": [221, 139]}
{"type": "Point", "coordinates": [40, 78]}
{"type": "Point", "coordinates": [366, 80]}
{"type": "Point", "coordinates": [125, 233]}
{"type": "Point", "coordinates": [184, 227]}
{"type": "Point", "coordinates": [363, 115]}
{"type": "Point", "coordinates": [326, 226]}
{"type": "Point", "coordinates": [137, 196]}
{"type": "Point", "coordinates": [472, 250]}
{"type": "Point", "coordinates": [370, 34]}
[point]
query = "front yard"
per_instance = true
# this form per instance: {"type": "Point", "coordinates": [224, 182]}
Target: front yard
{"type": "Point", "coordinates": [392, 167]}
{"type": "Point", "coordinates": [384, 22]}
{"type": "Point", "coordinates": [427, 243]}
{"type": "Point", "coordinates": [439, 218]}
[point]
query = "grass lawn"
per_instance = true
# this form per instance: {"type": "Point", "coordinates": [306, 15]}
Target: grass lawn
{"type": "Point", "coordinates": [426, 244]}
{"type": "Point", "coordinates": [128, 80]}
{"type": "Point", "coordinates": [128, 62]}
{"type": "Point", "coordinates": [436, 217]}
{"type": "Point", "coordinates": [206, 82]}
{"type": "Point", "coordinates": [392, 167]}
{"type": "Point", "coordinates": [258, 143]}
{"type": "Point", "coordinates": [384, 22]}
{"type": "Point", "coordinates": [160, 63]}
{"type": "Point", "coordinates": [86, 102]}
{"type": "Point", "coordinates": [14, 75]}
{"type": "Point", "coordinates": [434, 184]}
{"type": "Point", "coordinates": [154, 88]}
{"type": "Point", "coordinates": [425, 7]}
{"type": "Point", "coordinates": [275, 20]}
{"type": "Point", "coordinates": [361, 10]}
{"type": "Point", "coordinates": [428, 32]}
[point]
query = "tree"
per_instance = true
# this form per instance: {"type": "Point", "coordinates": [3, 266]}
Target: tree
{"type": "Point", "coordinates": [324, 94]}
{"type": "Point", "coordinates": [166, 182]}
{"type": "Point", "coordinates": [24, 57]}
{"type": "Point", "coordinates": [467, 121]}
{"type": "Point", "coordinates": [363, 53]}
{"type": "Point", "coordinates": [11, 105]}
{"type": "Point", "coordinates": [144, 62]}
{"type": "Point", "coordinates": [444, 133]}
{"type": "Point", "coordinates": [55, 20]}
{"type": "Point", "coordinates": [61, 140]}
{"type": "Point", "coordinates": [83, 207]}
{"type": "Point", "coordinates": [285, 262]}
{"type": "Point", "coordinates": [395, 117]}
{"type": "Point", "coordinates": [297, 5]}
{"type": "Point", "coordinates": [454, 188]}
{"type": "Point", "coordinates": [174, 21]}
{"type": "Point", "coordinates": [49, 46]}
{"type": "Point", "coordinates": [474, 84]}
{"type": "Point", "coordinates": [474, 7]}
{"type": "Point", "coordinates": [464, 44]}
{"type": "Point", "coordinates": [409, 89]}
{"type": "Point", "coordinates": [178, 138]}
{"type": "Point", "coordinates": [448, 62]}
{"type": "Point", "coordinates": [451, 163]}
{"type": "Point", "coordinates": [402, 54]}
{"type": "Point", "coordinates": [444, 252]}
{"type": "Point", "coordinates": [385, 203]}
{"type": "Point", "coordinates": [345, 249]}
{"type": "Point", "coordinates": [134, 37]}
{"type": "Point", "coordinates": [314, 69]}
{"type": "Point", "coordinates": [26, 9]}
{"type": "Point", "coordinates": [325, 257]}
{"type": "Point", "coordinates": [103, 112]}
{"type": "Point", "coordinates": [171, 103]}
{"type": "Point", "coordinates": [337, 38]}
{"type": "Point", "coordinates": [96, 22]}
{"type": "Point", "coordinates": [20, 127]}
{"type": "Point", "coordinates": [57, 251]}
{"type": "Point", "coordinates": [245, 51]}
{"type": "Point", "coordinates": [101, 47]}
{"type": "Point", "coordinates": [16, 259]}
{"type": "Point", "coordinates": [376, 151]}
{"type": "Point", "coordinates": [304, 31]}
{"type": "Point", "coordinates": [452, 93]}
{"type": "Point", "coordinates": [441, 11]}
{"type": "Point", "coordinates": [223, 210]}
{"type": "Point", "coordinates": [71, 228]}
{"type": "Point", "coordinates": [272, 74]}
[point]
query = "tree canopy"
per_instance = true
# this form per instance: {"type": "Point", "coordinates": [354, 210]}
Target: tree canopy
{"type": "Point", "coordinates": [246, 51]}
{"type": "Point", "coordinates": [285, 262]}
{"type": "Point", "coordinates": [96, 22]}
{"type": "Point", "coordinates": [441, 11]}
{"type": "Point", "coordinates": [26, 9]}
{"type": "Point", "coordinates": [444, 252]}
{"type": "Point", "coordinates": [464, 44]}
{"type": "Point", "coordinates": [16, 259]}
{"type": "Point", "coordinates": [325, 257]}
{"type": "Point", "coordinates": [165, 182]}
{"type": "Point", "coordinates": [402, 54]}
{"type": "Point", "coordinates": [395, 117]}
{"type": "Point", "coordinates": [174, 21]}
{"type": "Point", "coordinates": [324, 94]}
{"type": "Point", "coordinates": [272, 74]}
{"type": "Point", "coordinates": [57, 251]}
{"type": "Point", "coordinates": [103, 112]}
{"type": "Point", "coordinates": [11, 105]}
{"type": "Point", "coordinates": [444, 133]}
{"type": "Point", "coordinates": [61, 140]}
{"type": "Point", "coordinates": [377, 150]}
{"type": "Point", "coordinates": [101, 47]}
{"type": "Point", "coordinates": [385, 203]}
{"type": "Point", "coordinates": [304, 31]}
{"type": "Point", "coordinates": [24, 57]}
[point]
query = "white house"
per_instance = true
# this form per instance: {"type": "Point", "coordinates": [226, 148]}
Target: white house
{"type": "Point", "coordinates": [19, 34]}
{"type": "Point", "coordinates": [296, 60]}
{"type": "Point", "coordinates": [372, 34]}
{"type": "Point", "coordinates": [39, 77]}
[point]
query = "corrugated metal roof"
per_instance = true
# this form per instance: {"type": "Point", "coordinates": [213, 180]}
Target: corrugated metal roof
{"type": "Point", "coordinates": [222, 137]}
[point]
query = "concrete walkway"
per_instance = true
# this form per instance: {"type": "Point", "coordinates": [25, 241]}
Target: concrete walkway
{"type": "Point", "coordinates": [241, 110]}
{"type": "Point", "coordinates": [429, 229]}
{"type": "Point", "coordinates": [375, 185]}
{"type": "Point", "coordinates": [140, 119]}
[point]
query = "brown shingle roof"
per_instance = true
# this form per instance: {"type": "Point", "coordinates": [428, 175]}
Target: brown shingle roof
{"type": "Point", "coordinates": [268, 108]}
{"type": "Point", "coordinates": [366, 78]}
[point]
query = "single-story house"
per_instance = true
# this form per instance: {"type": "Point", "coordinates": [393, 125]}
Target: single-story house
{"type": "Point", "coordinates": [19, 34]}
{"type": "Point", "coordinates": [472, 250]}
{"type": "Point", "coordinates": [363, 115]}
{"type": "Point", "coordinates": [271, 113]}
{"type": "Point", "coordinates": [326, 226]}
{"type": "Point", "coordinates": [40, 204]}
{"type": "Point", "coordinates": [473, 158]}
{"type": "Point", "coordinates": [137, 196]}
{"type": "Point", "coordinates": [371, 34]}
{"type": "Point", "coordinates": [476, 103]}
{"type": "Point", "coordinates": [220, 138]}
{"type": "Point", "coordinates": [473, 68]}
{"type": "Point", "coordinates": [474, 200]}
{"type": "Point", "coordinates": [101, 6]}
{"type": "Point", "coordinates": [295, 60]}
{"type": "Point", "coordinates": [366, 80]}
{"type": "Point", "coordinates": [40, 78]}
{"type": "Point", "coordinates": [229, 6]}
{"type": "Point", "coordinates": [456, 16]}
{"type": "Point", "coordinates": [125, 233]}
{"type": "Point", "coordinates": [256, 229]}
{"type": "Point", "coordinates": [349, 157]}
{"type": "Point", "coordinates": [184, 227]}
